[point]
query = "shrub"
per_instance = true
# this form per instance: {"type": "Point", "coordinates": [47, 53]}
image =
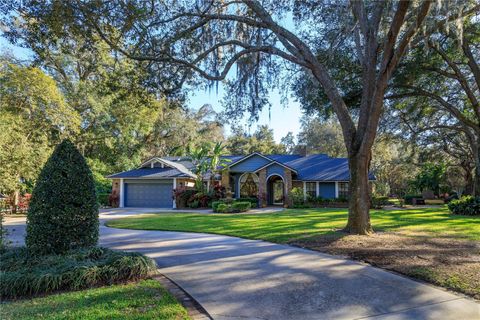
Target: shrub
{"type": "Point", "coordinates": [103, 199]}
{"type": "Point", "coordinates": [253, 201]}
{"type": "Point", "coordinates": [223, 208]}
{"type": "Point", "coordinates": [379, 202]}
{"type": "Point", "coordinates": [63, 212]}
{"type": "Point", "coordinates": [296, 194]}
{"type": "Point", "coordinates": [25, 274]}
{"type": "Point", "coordinates": [409, 198]}
{"type": "Point", "coordinates": [193, 204]}
{"type": "Point", "coordinates": [3, 234]}
{"type": "Point", "coordinates": [241, 206]}
{"type": "Point", "coordinates": [237, 206]}
{"type": "Point", "coordinates": [467, 205]}
{"type": "Point", "coordinates": [215, 205]}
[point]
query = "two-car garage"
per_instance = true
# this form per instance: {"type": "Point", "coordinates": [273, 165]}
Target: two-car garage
{"type": "Point", "coordinates": [148, 193]}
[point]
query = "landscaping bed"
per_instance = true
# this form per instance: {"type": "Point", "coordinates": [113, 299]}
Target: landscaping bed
{"type": "Point", "coordinates": [146, 299]}
{"type": "Point", "coordinates": [24, 274]}
{"type": "Point", "coordinates": [444, 261]}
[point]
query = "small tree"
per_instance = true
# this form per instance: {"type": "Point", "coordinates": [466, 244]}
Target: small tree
{"type": "Point", "coordinates": [63, 212]}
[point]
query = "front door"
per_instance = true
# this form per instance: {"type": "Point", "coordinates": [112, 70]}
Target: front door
{"type": "Point", "coordinates": [278, 192]}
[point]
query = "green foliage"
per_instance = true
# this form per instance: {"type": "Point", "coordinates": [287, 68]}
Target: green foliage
{"type": "Point", "coordinates": [409, 198]}
{"type": "Point", "coordinates": [215, 205]}
{"type": "Point", "coordinates": [466, 205]}
{"type": "Point", "coordinates": [33, 117]}
{"type": "Point", "coordinates": [3, 232]}
{"type": "Point", "coordinates": [102, 199]}
{"type": "Point", "coordinates": [379, 201]}
{"type": "Point", "coordinates": [262, 141]}
{"type": "Point", "coordinates": [24, 273]}
{"type": "Point", "coordinates": [253, 201]}
{"type": "Point", "coordinates": [231, 204]}
{"type": "Point", "coordinates": [241, 206]}
{"type": "Point", "coordinates": [63, 212]}
{"type": "Point", "coordinates": [234, 207]}
{"type": "Point", "coordinates": [223, 208]}
{"type": "Point", "coordinates": [193, 204]}
{"type": "Point", "coordinates": [320, 136]}
{"type": "Point", "coordinates": [430, 177]}
{"type": "Point", "coordinates": [296, 195]}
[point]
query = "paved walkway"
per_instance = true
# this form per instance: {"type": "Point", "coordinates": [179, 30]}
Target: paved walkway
{"type": "Point", "coordinates": [234, 278]}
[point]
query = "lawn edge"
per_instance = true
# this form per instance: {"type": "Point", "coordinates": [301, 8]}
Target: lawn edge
{"type": "Point", "coordinates": [194, 309]}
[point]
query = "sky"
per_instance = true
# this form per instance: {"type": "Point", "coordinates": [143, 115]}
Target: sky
{"type": "Point", "coordinates": [282, 119]}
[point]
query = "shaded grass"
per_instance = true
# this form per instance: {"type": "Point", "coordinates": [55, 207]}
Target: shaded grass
{"type": "Point", "coordinates": [144, 300]}
{"type": "Point", "coordinates": [294, 224]}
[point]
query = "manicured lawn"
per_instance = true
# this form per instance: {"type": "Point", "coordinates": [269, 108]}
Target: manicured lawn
{"type": "Point", "coordinates": [144, 300]}
{"type": "Point", "coordinates": [295, 224]}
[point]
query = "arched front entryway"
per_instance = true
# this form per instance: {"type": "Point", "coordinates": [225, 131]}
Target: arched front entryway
{"type": "Point", "coordinates": [275, 190]}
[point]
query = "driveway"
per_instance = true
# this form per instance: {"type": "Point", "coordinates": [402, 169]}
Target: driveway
{"type": "Point", "coordinates": [234, 278]}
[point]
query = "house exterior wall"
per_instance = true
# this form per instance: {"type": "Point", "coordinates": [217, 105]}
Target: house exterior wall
{"type": "Point", "coordinates": [262, 187]}
{"type": "Point", "coordinates": [276, 169]}
{"type": "Point", "coordinates": [249, 165]}
{"type": "Point", "coordinates": [297, 184]}
{"type": "Point", "coordinates": [326, 190]}
{"type": "Point", "coordinates": [236, 177]}
{"type": "Point", "coordinates": [288, 186]}
{"type": "Point", "coordinates": [116, 186]}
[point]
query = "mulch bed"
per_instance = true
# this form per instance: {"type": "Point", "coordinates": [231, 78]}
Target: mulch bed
{"type": "Point", "coordinates": [445, 261]}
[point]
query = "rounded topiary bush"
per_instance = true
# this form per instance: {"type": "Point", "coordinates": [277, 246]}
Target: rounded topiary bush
{"type": "Point", "coordinates": [63, 212]}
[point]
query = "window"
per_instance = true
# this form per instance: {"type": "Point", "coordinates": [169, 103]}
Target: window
{"type": "Point", "coordinates": [248, 185]}
{"type": "Point", "coordinates": [311, 189]}
{"type": "Point", "coordinates": [343, 189]}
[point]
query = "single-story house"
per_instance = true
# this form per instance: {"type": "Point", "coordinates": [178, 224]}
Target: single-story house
{"type": "Point", "coordinates": [269, 177]}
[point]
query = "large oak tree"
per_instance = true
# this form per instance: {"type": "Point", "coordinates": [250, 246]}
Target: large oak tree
{"type": "Point", "coordinates": [184, 42]}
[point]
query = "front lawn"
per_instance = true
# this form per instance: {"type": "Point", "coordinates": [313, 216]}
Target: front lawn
{"type": "Point", "coordinates": [294, 224]}
{"type": "Point", "coordinates": [425, 243]}
{"type": "Point", "coordinates": [144, 300]}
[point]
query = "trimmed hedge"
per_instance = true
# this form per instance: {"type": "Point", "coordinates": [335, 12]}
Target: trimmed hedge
{"type": "Point", "coordinates": [466, 205]}
{"type": "Point", "coordinates": [241, 206]}
{"type": "Point", "coordinates": [63, 212]}
{"type": "Point", "coordinates": [235, 207]}
{"type": "Point", "coordinates": [253, 202]}
{"type": "Point", "coordinates": [23, 274]}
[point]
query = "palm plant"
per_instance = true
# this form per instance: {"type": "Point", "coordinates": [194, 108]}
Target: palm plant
{"type": "Point", "coordinates": [198, 156]}
{"type": "Point", "coordinates": [217, 163]}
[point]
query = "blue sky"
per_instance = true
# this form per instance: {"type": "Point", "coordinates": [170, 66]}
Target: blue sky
{"type": "Point", "coordinates": [280, 118]}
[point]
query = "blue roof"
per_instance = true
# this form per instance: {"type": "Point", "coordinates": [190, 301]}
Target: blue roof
{"type": "Point", "coordinates": [320, 167]}
{"type": "Point", "coordinates": [315, 167]}
{"type": "Point", "coordinates": [151, 173]}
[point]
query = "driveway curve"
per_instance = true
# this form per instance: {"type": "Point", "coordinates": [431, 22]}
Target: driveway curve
{"type": "Point", "coordinates": [235, 278]}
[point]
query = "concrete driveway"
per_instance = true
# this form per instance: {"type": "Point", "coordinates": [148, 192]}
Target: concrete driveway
{"type": "Point", "coordinates": [234, 278]}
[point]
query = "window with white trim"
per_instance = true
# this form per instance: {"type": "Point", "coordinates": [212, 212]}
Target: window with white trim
{"type": "Point", "coordinates": [311, 189]}
{"type": "Point", "coordinates": [343, 190]}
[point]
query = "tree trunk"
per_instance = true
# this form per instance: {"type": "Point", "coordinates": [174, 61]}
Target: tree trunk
{"type": "Point", "coordinates": [476, 184]}
{"type": "Point", "coordinates": [359, 203]}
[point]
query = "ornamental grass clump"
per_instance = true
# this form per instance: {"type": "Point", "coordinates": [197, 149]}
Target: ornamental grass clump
{"type": "Point", "coordinates": [23, 274]}
{"type": "Point", "coordinates": [63, 212]}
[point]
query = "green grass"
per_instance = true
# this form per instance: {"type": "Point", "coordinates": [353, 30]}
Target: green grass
{"type": "Point", "coordinates": [144, 300]}
{"type": "Point", "coordinates": [294, 224]}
